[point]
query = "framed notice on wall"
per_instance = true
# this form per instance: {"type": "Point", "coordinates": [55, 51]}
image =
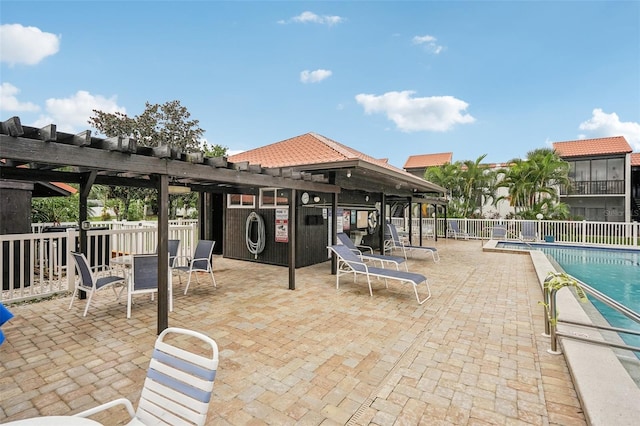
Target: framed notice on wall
{"type": "Point", "coordinates": [282, 225]}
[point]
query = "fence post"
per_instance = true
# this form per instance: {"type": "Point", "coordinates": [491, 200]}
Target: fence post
{"type": "Point", "coordinates": [584, 231]}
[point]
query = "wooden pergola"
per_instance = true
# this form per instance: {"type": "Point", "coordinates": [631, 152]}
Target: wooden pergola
{"type": "Point", "coordinates": [44, 154]}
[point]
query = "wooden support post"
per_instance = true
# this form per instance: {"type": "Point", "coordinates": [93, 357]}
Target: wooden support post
{"type": "Point", "coordinates": [163, 252]}
{"type": "Point", "coordinates": [292, 239]}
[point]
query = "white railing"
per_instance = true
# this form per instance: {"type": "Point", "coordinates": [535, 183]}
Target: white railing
{"type": "Point", "coordinates": [112, 224]}
{"type": "Point", "coordinates": [574, 232]}
{"type": "Point", "coordinates": [36, 265]}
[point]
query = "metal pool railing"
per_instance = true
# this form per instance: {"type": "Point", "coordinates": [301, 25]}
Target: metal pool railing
{"type": "Point", "coordinates": [552, 319]}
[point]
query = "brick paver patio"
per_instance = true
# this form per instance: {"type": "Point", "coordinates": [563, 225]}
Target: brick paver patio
{"type": "Point", "coordinates": [472, 354]}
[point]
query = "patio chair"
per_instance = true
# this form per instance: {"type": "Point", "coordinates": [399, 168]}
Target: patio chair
{"type": "Point", "coordinates": [393, 242]}
{"type": "Point", "coordinates": [143, 279]}
{"type": "Point", "coordinates": [350, 263]}
{"type": "Point", "coordinates": [173, 251]}
{"type": "Point", "coordinates": [90, 283]}
{"type": "Point", "coordinates": [179, 382]}
{"type": "Point", "coordinates": [369, 255]}
{"type": "Point", "coordinates": [529, 231]}
{"type": "Point", "coordinates": [200, 262]}
{"type": "Point", "coordinates": [453, 229]}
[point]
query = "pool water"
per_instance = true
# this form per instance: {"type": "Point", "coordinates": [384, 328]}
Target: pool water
{"type": "Point", "coordinates": [614, 272]}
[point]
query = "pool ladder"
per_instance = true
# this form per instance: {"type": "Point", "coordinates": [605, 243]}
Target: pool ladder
{"type": "Point", "coordinates": [552, 320]}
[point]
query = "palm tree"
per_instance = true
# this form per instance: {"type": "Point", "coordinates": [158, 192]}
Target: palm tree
{"type": "Point", "coordinates": [470, 184]}
{"type": "Point", "coordinates": [532, 183]}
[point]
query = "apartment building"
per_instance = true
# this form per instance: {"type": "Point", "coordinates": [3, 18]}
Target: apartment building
{"type": "Point", "coordinates": [601, 178]}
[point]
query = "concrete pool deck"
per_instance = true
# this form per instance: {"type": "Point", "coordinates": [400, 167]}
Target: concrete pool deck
{"type": "Point", "coordinates": [472, 354]}
{"type": "Point", "coordinates": [607, 380]}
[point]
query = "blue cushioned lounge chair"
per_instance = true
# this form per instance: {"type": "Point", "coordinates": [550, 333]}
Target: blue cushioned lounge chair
{"type": "Point", "coordinates": [366, 253]}
{"type": "Point", "coordinates": [453, 230]}
{"type": "Point", "coordinates": [393, 242]}
{"type": "Point", "coordinates": [529, 231]}
{"type": "Point", "coordinates": [350, 263]}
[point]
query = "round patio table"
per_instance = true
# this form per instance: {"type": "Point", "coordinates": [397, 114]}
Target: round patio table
{"type": "Point", "coordinates": [55, 421]}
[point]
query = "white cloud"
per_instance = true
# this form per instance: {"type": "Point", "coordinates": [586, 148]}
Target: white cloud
{"type": "Point", "coordinates": [429, 43]}
{"type": "Point", "coordinates": [602, 124]}
{"type": "Point", "coordinates": [26, 45]}
{"type": "Point", "coordinates": [9, 101]}
{"type": "Point", "coordinates": [310, 17]}
{"type": "Point", "coordinates": [72, 114]}
{"type": "Point", "coordinates": [316, 76]}
{"type": "Point", "coordinates": [435, 113]}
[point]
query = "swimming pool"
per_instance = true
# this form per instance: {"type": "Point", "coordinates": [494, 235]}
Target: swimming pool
{"type": "Point", "coordinates": [614, 272]}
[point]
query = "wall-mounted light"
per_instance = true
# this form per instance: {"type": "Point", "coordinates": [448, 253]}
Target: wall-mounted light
{"type": "Point", "coordinates": [316, 199]}
{"type": "Point", "coordinates": [366, 198]}
{"type": "Point", "coordinates": [348, 173]}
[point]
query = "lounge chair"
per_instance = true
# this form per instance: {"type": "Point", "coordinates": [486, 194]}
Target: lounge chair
{"type": "Point", "coordinates": [200, 262]}
{"type": "Point", "coordinates": [366, 253]}
{"type": "Point", "coordinates": [143, 279]}
{"type": "Point", "coordinates": [90, 283]}
{"type": "Point", "coordinates": [529, 231]}
{"type": "Point", "coordinates": [350, 263]}
{"type": "Point", "coordinates": [499, 232]}
{"type": "Point", "coordinates": [393, 242]}
{"type": "Point", "coordinates": [454, 230]}
{"type": "Point", "coordinates": [179, 383]}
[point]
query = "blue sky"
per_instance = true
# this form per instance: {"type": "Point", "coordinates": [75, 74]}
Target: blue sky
{"type": "Point", "coordinates": [390, 79]}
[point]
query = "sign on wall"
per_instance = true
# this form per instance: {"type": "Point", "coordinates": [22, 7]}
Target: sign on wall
{"type": "Point", "coordinates": [282, 225]}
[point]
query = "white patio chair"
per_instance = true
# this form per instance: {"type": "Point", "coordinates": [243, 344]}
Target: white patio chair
{"type": "Point", "coordinates": [143, 279]}
{"type": "Point", "coordinates": [179, 382]}
{"type": "Point", "coordinates": [90, 283]}
{"type": "Point", "coordinates": [200, 262]}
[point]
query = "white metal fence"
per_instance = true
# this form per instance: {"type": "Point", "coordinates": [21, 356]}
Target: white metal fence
{"type": "Point", "coordinates": [36, 265]}
{"type": "Point", "coordinates": [575, 232]}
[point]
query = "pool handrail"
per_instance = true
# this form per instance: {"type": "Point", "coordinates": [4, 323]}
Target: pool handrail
{"type": "Point", "coordinates": [552, 320]}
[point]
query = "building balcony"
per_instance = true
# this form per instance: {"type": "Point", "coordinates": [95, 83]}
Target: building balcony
{"type": "Point", "coordinates": [594, 187]}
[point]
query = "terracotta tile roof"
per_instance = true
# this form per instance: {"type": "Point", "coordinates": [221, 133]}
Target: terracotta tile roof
{"type": "Point", "coordinates": [307, 149]}
{"type": "Point", "coordinates": [70, 189]}
{"type": "Point", "coordinates": [635, 159]}
{"type": "Point", "coordinates": [428, 160]}
{"type": "Point", "coordinates": [589, 147]}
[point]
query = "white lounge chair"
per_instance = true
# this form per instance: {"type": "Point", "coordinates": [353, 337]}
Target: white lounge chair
{"type": "Point", "coordinates": [350, 263]}
{"type": "Point", "coordinates": [179, 383]}
{"type": "Point", "coordinates": [366, 253]}
{"type": "Point", "coordinates": [393, 242]}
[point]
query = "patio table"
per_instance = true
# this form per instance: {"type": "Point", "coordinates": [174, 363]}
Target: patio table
{"type": "Point", "coordinates": [54, 421]}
